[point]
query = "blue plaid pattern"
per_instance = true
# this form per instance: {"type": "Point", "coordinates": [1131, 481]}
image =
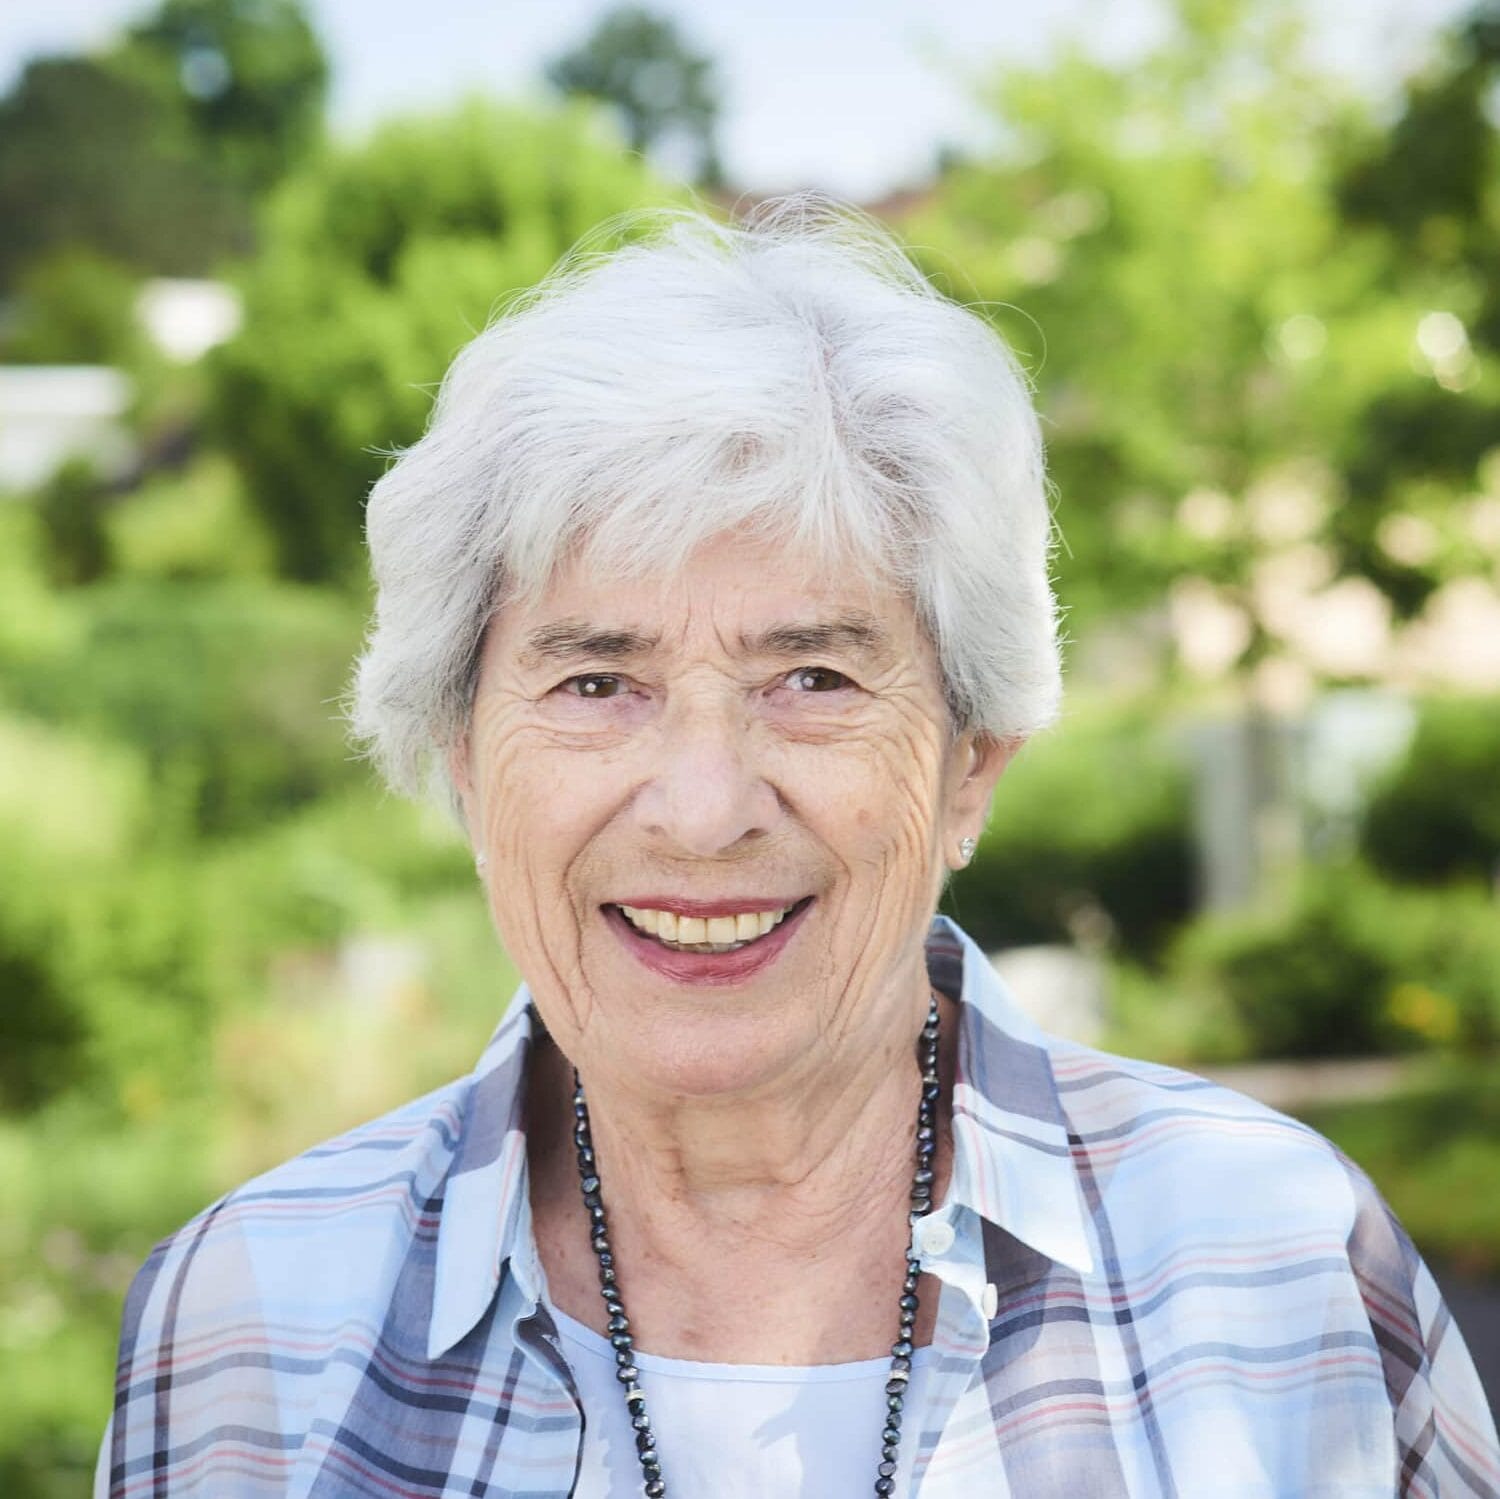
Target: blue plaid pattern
{"type": "Point", "coordinates": [1156, 1288]}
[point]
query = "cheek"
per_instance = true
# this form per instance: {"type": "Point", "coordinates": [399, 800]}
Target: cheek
{"type": "Point", "coordinates": [537, 818]}
{"type": "Point", "coordinates": [886, 802]}
{"type": "Point", "coordinates": [536, 827]}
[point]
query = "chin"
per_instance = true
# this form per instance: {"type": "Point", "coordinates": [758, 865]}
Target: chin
{"type": "Point", "coordinates": [677, 1045]}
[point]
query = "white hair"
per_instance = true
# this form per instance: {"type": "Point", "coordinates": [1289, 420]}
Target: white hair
{"type": "Point", "coordinates": [794, 376]}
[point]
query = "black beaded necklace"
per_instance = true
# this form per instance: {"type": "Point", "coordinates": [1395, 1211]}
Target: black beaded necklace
{"type": "Point", "coordinates": [619, 1324]}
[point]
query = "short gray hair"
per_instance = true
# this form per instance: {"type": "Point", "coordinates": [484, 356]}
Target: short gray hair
{"type": "Point", "coordinates": [793, 375]}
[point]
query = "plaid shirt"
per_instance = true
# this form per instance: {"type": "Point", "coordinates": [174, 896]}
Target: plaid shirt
{"type": "Point", "coordinates": [1154, 1287]}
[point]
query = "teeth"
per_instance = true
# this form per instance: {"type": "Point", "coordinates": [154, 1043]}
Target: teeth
{"type": "Point", "coordinates": [704, 934]}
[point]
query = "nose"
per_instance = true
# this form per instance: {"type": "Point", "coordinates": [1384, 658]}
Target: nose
{"type": "Point", "coordinates": [706, 791]}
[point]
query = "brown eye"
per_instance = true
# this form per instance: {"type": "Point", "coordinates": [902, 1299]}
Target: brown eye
{"type": "Point", "coordinates": [817, 679]}
{"type": "Point", "coordinates": [601, 684]}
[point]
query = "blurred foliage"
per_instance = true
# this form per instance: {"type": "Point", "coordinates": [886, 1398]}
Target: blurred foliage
{"type": "Point", "coordinates": [1436, 816]}
{"type": "Point", "coordinates": [379, 262]}
{"type": "Point", "coordinates": [637, 61]}
{"type": "Point", "coordinates": [246, 79]}
{"type": "Point", "coordinates": [1347, 965]}
{"type": "Point", "coordinates": [1118, 870]}
{"type": "Point", "coordinates": [1233, 363]}
{"type": "Point", "coordinates": [1429, 178]}
{"type": "Point", "coordinates": [194, 523]}
{"type": "Point", "coordinates": [1427, 184]}
{"type": "Point", "coordinates": [1154, 1013]}
{"type": "Point", "coordinates": [75, 307]}
{"type": "Point", "coordinates": [90, 160]}
{"type": "Point", "coordinates": [216, 683]}
{"type": "Point", "coordinates": [147, 158]}
{"type": "Point", "coordinates": [70, 507]}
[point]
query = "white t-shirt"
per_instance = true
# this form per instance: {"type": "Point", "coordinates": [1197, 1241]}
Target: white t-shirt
{"type": "Point", "coordinates": [739, 1431]}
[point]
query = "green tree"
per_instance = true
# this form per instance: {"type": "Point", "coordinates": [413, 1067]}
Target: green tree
{"type": "Point", "coordinates": [1258, 409]}
{"type": "Point", "coordinates": [1429, 177]}
{"type": "Point", "coordinates": [70, 506]}
{"type": "Point", "coordinates": [1435, 818]}
{"type": "Point", "coordinates": [248, 79]}
{"type": "Point", "coordinates": [1230, 359]}
{"type": "Point", "coordinates": [1161, 244]}
{"type": "Point", "coordinates": [92, 160]}
{"type": "Point", "coordinates": [639, 63]}
{"type": "Point", "coordinates": [1427, 185]}
{"type": "Point", "coordinates": [74, 306]}
{"type": "Point", "coordinates": [379, 262]}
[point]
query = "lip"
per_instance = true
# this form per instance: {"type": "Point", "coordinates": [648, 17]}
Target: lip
{"type": "Point", "coordinates": [712, 969]}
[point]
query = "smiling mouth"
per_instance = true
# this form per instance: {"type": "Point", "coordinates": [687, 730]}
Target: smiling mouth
{"type": "Point", "coordinates": [708, 934]}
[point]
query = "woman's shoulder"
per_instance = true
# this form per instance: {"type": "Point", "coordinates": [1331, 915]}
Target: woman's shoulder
{"type": "Point", "coordinates": [1204, 1184]}
{"type": "Point", "coordinates": [289, 1273]}
{"type": "Point", "coordinates": [312, 1230]}
{"type": "Point", "coordinates": [1177, 1139]}
{"type": "Point", "coordinates": [1100, 1089]}
{"type": "Point", "coordinates": [350, 1171]}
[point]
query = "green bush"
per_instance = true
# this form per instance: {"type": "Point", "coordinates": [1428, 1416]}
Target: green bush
{"type": "Point", "coordinates": [124, 938]}
{"type": "Point", "coordinates": [1151, 1014]}
{"type": "Point", "coordinates": [75, 306]}
{"type": "Point", "coordinates": [1349, 965]}
{"type": "Point", "coordinates": [229, 690]}
{"type": "Point", "coordinates": [68, 811]}
{"type": "Point", "coordinates": [356, 861]}
{"type": "Point", "coordinates": [1437, 815]}
{"type": "Point", "coordinates": [43, 1028]}
{"type": "Point", "coordinates": [37, 622]}
{"type": "Point", "coordinates": [1093, 819]}
{"type": "Point", "coordinates": [191, 524]}
{"type": "Point", "coordinates": [71, 507]}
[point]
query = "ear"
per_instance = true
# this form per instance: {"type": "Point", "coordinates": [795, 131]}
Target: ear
{"type": "Point", "coordinates": [978, 761]}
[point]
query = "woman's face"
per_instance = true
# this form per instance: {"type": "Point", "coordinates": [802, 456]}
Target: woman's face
{"type": "Point", "coordinates": [753, 757]}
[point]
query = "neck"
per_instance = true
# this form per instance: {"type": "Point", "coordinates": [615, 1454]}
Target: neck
{"type": "Point", "coordinates": [764, 1228]}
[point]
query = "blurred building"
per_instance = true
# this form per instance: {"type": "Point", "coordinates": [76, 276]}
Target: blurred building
{"type": "Point", "coordinates": [185, 319]}
{"type": "Point", "coordinates": [50, 413]}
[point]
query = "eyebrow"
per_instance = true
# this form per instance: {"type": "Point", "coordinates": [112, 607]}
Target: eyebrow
{"type": "Point", "coordinates": [574, 640]}
{"type": "Point", "coordinates": [860, 634]}
{"type": "Point", "coordinates": [569, 640]}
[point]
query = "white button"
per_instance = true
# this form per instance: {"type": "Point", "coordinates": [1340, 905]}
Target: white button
{"type": "Point", "coordinates": [934, 1236]}
{"type": "Point", "coordinates": [990, 1301]}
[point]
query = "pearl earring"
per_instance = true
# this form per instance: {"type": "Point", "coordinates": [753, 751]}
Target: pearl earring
{"type": "Point", "coordinates": [480, 860]}
{"type": "Point", "coordinates": [966, 848]}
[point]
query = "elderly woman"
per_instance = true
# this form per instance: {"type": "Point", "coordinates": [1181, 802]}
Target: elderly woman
{"type": "Point", "coordinates": [716, 597]}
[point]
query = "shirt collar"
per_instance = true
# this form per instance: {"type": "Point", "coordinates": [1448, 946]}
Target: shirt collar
{"type": "Point", "coordinates": [1012, 1160]}
{"type": "Point", "coordinates": [1012, 1164]}
{"type": "Point", "coordinates": [485, 1218]}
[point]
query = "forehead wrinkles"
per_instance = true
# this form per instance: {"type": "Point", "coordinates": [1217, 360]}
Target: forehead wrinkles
{"type": "Point", "coordinates": [740, 615]}
{"type": "Point", "coordinates": [735, 597]}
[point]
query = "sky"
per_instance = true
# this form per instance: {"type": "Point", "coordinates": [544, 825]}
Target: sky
{"type": "Point", "coordinates": [808, 84]}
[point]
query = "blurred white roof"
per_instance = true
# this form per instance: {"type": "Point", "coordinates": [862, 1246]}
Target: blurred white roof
{"type": "Point", "coordinates": [49, 413]}
{"type": "Point", "coordinates": [185, 319]}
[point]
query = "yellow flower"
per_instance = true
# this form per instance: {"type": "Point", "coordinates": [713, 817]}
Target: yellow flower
{"type": "Point", "coordinates": [1431, 1015]}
